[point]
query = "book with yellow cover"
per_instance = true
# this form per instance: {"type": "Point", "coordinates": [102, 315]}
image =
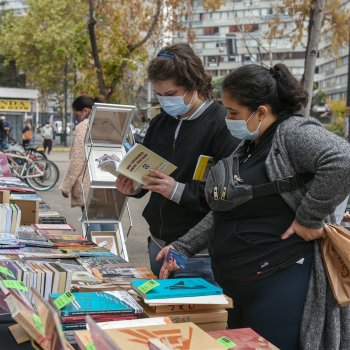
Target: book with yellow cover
{"type": "Point", "coordinates": [204, 164]}
{"type": "Point", "coordinates": [135, 164]}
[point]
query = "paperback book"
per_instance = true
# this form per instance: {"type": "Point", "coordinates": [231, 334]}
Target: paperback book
{"type": "Point", "coordinates": [177, 288]}
{"type": "Point", "coordinates": [135, 164]}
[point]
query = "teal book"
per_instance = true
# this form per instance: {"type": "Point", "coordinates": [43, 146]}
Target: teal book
{"type": "Point", "coordinates": [177, 288]}
{"type": "Point", "coordinates": [96, 303]}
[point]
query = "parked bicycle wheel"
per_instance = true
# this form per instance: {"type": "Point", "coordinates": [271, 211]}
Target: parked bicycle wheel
{"type": "Point", "coordinates": [42, 175]}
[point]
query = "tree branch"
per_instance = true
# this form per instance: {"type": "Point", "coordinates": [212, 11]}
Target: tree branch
{"type": "Point", "coordinates": [94, 48]}
{"type": "Point", "coordinates": [150, 29]}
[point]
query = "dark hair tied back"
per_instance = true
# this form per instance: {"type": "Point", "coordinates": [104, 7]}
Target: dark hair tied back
{"type": "Point", "coordinates": [84, 101]}
{"type": "Point", "coordinates": [254, 85]}
{"type": "Point", "coordinates": [179, 63]}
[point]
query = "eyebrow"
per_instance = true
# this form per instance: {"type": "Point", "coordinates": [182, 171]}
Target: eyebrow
{"type": "Point", "coordinates": [231, 109]}
{"type": "Point", "coordinates": [166, 92]}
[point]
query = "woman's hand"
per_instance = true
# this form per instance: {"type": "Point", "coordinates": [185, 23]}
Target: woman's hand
{"type": "Point", "coordinates": [308, 234]}
{"type": "Point", "coordinates": [159, 182]}
{"type": "Point", "coordinates": [125, 185]}
{"type": "Point", "coordinates": [168, 266]}
{"type": "Point", "coordinates": [65, 195]}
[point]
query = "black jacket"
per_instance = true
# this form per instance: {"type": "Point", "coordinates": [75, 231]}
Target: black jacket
{"type": "Point", "coordinates": [206, 135]}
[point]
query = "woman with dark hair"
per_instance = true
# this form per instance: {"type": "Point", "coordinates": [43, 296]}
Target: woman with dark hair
{"type": "Point", "coordinates": [76, 181]}
{"type": "Point", "coordinates": [191, 123]}
{"type": "Point", "coordinates": [265, 252]}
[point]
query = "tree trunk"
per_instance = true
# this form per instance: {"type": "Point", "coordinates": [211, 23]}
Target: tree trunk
{"type": "Point", "coordinates": [314, 35]}
{"type": "Point", "coordinates": [94, 49]}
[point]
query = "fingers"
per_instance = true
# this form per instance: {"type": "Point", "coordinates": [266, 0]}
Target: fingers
{"type": "Point", "coordinates": [164, 273]}
{"type": "Point", "coordinates": [288, 233]}
{"type": "Point", "coordinates": [162, 254]}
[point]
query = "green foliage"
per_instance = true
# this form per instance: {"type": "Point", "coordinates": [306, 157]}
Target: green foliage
{"type": "Point", "coordinates": [217, 83]}
{"type": "Point", "coordinates": [319, 98]}
{"type": "Point", "coordinates": [338, 124]}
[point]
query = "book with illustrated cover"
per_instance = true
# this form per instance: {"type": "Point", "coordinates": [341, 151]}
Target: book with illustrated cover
{"type": "Point", "coordinates": [86, 303]}
{"type": "Point", "coordinates": [203, 166]}
{"type": "Point", "coordinates": [177, 288]}
{"type": "Point", "coordinates": [174, 335]}
{"type": "Point", "coordinates": [135, 164]}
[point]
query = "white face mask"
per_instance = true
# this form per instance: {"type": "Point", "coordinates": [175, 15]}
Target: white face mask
{"type": "Point", "coordinates": [239, 129]}
{"type": "Point", "coordinates": [175, 105]}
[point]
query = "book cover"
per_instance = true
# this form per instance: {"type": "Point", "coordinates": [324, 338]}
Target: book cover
{"type": "Point", "coordinates": [177, 288]}
{"type": "Point", "coordinates": [203, 166]}
{"type": "Point", "coordinates": [184, 336]}
{"type": "Point", "coordinates": [55, 227]}
{"type": "Point", "coordinates": [86, 303]}
{"type": "Point", "coordinates": [244, 338]}
{"type": "Point", "coordinates": [135, 164]}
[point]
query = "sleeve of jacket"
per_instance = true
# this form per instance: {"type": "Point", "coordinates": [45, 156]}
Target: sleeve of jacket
{"type": "Point", "coordinates": [314, 149]}
{"type": "Point", "coordinates": [196, 239]}
{"type": "Point", "coordinates": [222, 145]}
{"type": "Point", "coordinates": [77, 159]}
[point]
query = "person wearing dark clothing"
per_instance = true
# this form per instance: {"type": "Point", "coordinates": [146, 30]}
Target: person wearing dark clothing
{"type": "Point", "coordinates": [27, 133]}
{"type": "Point", "coordinates": [265, 252]}
{"type": "Point", "coordinates": [191, 123]}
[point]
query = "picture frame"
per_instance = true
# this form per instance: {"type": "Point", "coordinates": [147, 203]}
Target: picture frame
{"type": "Point", "coordinates": [110, 240]}
{"type": "Point", "coordinates": [99, 178]}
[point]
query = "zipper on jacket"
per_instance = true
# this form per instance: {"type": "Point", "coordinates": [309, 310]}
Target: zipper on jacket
{"type": "Point", "coordinates": [227, 175]}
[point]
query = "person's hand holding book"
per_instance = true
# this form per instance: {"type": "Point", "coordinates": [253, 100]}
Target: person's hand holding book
{"type": "Point", "coordinates": [159, 182]}
{"type": "Point", "coordinates": [125, 185]}
{"type": "Point", "coordinates": [168, 266]}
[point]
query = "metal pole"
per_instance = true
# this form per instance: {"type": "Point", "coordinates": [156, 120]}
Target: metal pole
{"type": "Point", "coordinates": [64, 129]}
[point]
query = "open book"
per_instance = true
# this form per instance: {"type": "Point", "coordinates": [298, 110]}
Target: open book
{"type": "Point", "coordinates": [135, 164]}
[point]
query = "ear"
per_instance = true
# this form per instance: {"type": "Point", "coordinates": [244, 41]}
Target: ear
{"type": "Point", "coordinates": [262, 112]}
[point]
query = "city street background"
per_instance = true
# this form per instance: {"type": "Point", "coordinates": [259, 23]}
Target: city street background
{"type": "Point", "coordinates": [137, 241]}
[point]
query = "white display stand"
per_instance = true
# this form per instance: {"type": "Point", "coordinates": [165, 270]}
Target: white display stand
{"type": "Point", "coordinates": [108, 128]}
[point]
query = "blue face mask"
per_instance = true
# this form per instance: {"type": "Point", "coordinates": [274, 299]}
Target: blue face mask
{"type": "Point", "coordinates": [239, 130]}
{"type": "Point", "coordinates": [174, 105]}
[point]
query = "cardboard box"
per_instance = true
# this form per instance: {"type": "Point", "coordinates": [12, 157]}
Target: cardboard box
{"type": "Point", "coordinates": [29, 209]}
{"type": "Point", "coordinates": [4, 196]}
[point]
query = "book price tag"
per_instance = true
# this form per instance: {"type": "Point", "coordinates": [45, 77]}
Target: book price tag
{"type": "Point", "coordinates": [14, 284]}
{"type": "Point", "coordinates": [6, 271]}
{"type": "Point", "coordinates": [90, 346]}
{"type": "Point", "coordinates": [228, 343]}
{"type": "Point", "coordinates": [147, 286]}
{"type": "Point", "coordinates": [38, 323]}
{"type": "Point", "coordinates": [63, 300]}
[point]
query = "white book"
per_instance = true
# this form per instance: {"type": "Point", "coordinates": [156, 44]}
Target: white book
{"type": "Point", "coordinates": [135, 164]}
{"type": "Point", "coordinates": [208, 299]}
{"type": "Point", "coordinates": [141, 322]}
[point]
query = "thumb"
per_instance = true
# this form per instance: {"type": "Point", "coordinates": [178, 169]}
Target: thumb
{"type": "Point", "coordinates": [289, 232]}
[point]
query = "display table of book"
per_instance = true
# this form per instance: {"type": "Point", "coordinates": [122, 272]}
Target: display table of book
{"type": "Point", "coordinates": [66, 292]}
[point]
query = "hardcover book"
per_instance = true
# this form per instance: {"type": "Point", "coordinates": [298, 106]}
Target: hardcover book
{"type": "Point", "coordinates": [135, 164]}
{"type": "Point", "coordinates": [177, 288]}
{"type": "Point", "coordinates": [203, 166]}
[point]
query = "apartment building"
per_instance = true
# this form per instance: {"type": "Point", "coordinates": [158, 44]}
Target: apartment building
{"type": "Point", "coordinates": [237, 34]}
{"type": "Point", "coordinates": [332, 77]}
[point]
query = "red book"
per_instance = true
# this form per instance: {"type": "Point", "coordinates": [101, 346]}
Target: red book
{"type": "Point", "coordinates": [244, 338]}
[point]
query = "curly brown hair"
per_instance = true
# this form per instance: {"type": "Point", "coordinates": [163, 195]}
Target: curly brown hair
{"type": "Point", "coordinates": [180, 63]}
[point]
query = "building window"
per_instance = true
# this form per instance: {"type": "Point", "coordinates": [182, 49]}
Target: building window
{"type": "Point", "coordinates": [211, 30]}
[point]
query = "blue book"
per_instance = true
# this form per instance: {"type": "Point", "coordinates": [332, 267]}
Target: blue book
{"type": "Point", "coordinates": [177, 288]}
{"type": "Point", "coordinates": [95, 303]}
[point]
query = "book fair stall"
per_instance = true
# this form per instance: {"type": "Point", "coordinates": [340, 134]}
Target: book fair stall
{"type": "Point", "coordinates": [62, 290]}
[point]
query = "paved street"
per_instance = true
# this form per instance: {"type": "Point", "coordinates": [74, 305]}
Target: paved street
{"type": "Point", "coordinates": [137, 241]}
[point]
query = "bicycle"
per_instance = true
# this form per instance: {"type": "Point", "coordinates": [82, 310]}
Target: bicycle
{"type": "Point", "coordinates": [40, 174]}
{"type": "Point", "coordinates": [16, 148]}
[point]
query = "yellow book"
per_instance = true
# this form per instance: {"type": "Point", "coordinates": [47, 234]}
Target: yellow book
{"type": "Point", "coordinates": [204, 164]}
{"type": "Point", "coordinates": [135, 164]}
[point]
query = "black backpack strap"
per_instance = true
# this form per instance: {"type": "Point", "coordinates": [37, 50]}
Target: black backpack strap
{"type": "Point", "coordinates": [288, 184]}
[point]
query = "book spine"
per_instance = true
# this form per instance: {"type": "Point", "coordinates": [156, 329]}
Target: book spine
{"type": "Point", "coordinates": [98, 312]}
{"type": "Point", "coordinates": [102, 318]}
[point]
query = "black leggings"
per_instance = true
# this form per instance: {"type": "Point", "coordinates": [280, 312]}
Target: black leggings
{"type": "Point", "coordinates": [272, 306]}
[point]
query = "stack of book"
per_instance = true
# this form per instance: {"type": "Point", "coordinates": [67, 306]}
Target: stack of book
{"type": "Point", "coordinates": [101, 306]}
{"type": "Point", "coordinates": [10, 218]}
{"type": "Point", "coordinates": [185, 300]}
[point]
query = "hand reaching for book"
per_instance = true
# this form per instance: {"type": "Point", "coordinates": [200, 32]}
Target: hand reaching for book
{"type": "Point", "coordinates": [159, 182]}
{"type": "Point", "coordinates": [125, 185]}
{"type": "Point", "coordinates": [168, 266]}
